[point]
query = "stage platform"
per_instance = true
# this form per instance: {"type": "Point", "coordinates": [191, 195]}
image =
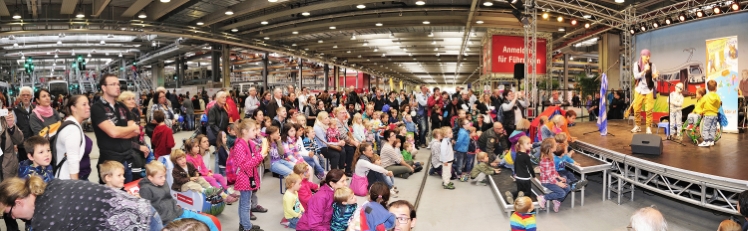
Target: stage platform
{"type": "Point", "coordinates": [727, 158]}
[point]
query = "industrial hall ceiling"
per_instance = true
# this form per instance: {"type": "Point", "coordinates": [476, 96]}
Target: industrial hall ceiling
{"type": "Point", "coordinates": [419, 41]}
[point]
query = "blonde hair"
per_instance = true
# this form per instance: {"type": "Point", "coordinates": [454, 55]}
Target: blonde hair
{"type": "Point", "coordinates": [247, 124]}
{"type": "Point", "coordinates": [320, 117]}
{"type": "Point", "coordinates": [176, 154]}
{"type": "Point", "coordinates": [125, 96]}
{"type": "Point", "coordinates": [521, 141]}
{"type": "Point", "coordinates": [407, 145]}
{"type": "Point", "coordinates": [481, 155]}
{"type": "Point", "coordinates": [558, 120]}
{"type": "Point", "coordinates": [524, 124]}
{"type": "Point", "coordinates": [292, 179]}
{"type": "Point", "coordinates": [356, 118]}
{"type": "Point", "coordinates": [342, 194]}
{"type": "Point", "coordinates": [546, 148]}
{"type": "Point", "coordinates": [522, 204]}
{"type": "Point", "coordinates": [107, 168]}
{"type": "Point", "coordinates": [15, 188]}
{"type": "Point", "coordinates": [154, 167]}
{"type": "Point", "coordinates": [648, 218]}
{"type": "Point", "coordinates": [728, 225]}
{"type": "Point", "coordinates": [446, 130]}
{"type": "Point", "coordinates": [300, 168]}
{"type": "Point", "coordinates": [560, 138]}
{"type": "Point", "coordinates": [437, 133]}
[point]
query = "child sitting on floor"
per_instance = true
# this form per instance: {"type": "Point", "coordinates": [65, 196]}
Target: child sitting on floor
{"type": "Point", "coordinates": [186, 177]}
{"type": "Point", "coordinates": [344, 207]}
{"type": "Point", "coordinates": [155, 189]}
{"type": "Point", "coordinates": [292, 208]}
{"type": "Point", "coordinates": [408, 157]}
{"type": "Point", "coordinates": [523, 219]}
{"type": "Point", "coordinates": [482, 169]}
{"type": "Point", "coordinates": [39, 160]}
{"type": "Point", "coordinates": [695, 115]}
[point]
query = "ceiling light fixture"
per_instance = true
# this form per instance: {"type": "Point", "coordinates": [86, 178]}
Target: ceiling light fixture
{"type": "Point", "coordinates": [333, 28]}
{"type": "Point", "coordinates": [655, 24]}
{"type": "Point", "coordinates": [16, 16]}
{"type": "Point", "coordinates": [353, 37]}
{"type": "Point", "coordinates": [80, 15]}
{"type": "Point", "coordinates": [165, 1]}
{"type": "Point", "coordinates": [15, 44]}
{"type": "Point", "coordinates": [431, 34]}
{"type": "Point", "coordinates": [643, 28]}
{"type": "Point", "coordinates": [348, 51]}
{"type": "Point", "coordinates": [561, 29]}
{"type": "Point", "coordinates": [479, 22]}
{"type": "Point", "coordinates": [545, 15]}
{"type": "Point", "coordinates": [426, 22]}
{"type": "Point", "coordinates": [488, 3]}
{"type": "Point", "coordinates": [89, 55]}
{"type": "Point", "coordinates": [120, 55]}
{"type": "Point", "coordinates": [293, 45]}
{"type": "Point", "coordinates": [295, 32]}
{"type": "Point", "coordinates": [229, 12]}
{"type": "Point", "coordinates": [305, 13]}
{"type": "Point", "coordinates": [268, 38]}
{"type": "Point", "coordinates": [234, 30]}
{"type": "Point", "coordinates": [420, 2]}
{"type": "Point", "coordinates": [560, 19]}
{"type": "Point", "coordinates": [102, 42]}
{"type": "Point", "coordinates": [59, 42]}
{"type": "Point", "coordinates": [361, 6]}
{"type": "Point", "coordinates": [586, 16]}
{"type": "Point", "coordinates": [573, 22]}
{"type": "Point", "coordinates": [56, 56]}
{"type": "Point", "coordinates": [619, 1]}
{"type": "Point", "coordinates": [142, 15]}
{"type": "Point", "coordinates": [335, 46]}
{"type": "Point", "coordinates": [200, 23]}
{"type": "Point", "coordinates": [320, 41]}
{"type": "Point", "coordinates": [375, 49]}
{"type": "Point", "coordinates": [587, 25]}
{"type": "Point", "coordinates": [378, 24]}
{"type": "Point", "coordinates": [264, 22]}
{"type": "Point", "coordinates": [272, 0]}
{"type": "Point", "coordinates": [366, 43]}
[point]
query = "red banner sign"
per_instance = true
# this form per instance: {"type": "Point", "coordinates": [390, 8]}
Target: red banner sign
{"type": "Point", "coordinates": [508, 50]}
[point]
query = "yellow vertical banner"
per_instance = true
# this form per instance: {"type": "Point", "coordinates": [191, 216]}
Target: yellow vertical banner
{"type": "Point", "coordinates": [401, 85]}
{"type": "Point", "coordinates": [722, 67]}
{"type": "Point", "coordinates": [392, 85]}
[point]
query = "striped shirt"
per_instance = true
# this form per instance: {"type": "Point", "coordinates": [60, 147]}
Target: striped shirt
{"type": "Point", "coordinates": [522, 221]}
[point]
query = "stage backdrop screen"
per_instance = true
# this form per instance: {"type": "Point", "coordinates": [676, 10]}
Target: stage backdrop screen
{"type": "Point", "coordinates": [680, 54]}
{"type": "Point", "coordinates": [508, 50]}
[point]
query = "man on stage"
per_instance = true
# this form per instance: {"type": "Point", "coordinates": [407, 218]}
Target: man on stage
{"type": "Point", "coordinates": [645, 74]}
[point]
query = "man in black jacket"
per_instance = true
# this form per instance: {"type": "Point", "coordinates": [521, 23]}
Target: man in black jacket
{"type": "Point", "coordinates": [275, 102]}
{"type": "Point", "coordinates": [379, 101]}
{"type": "Point", "coordinates": [23, 113]}
{"type": "Point", "coordinates": [494, 142]}
{"type": "Point", "coordinates": [392, 101]}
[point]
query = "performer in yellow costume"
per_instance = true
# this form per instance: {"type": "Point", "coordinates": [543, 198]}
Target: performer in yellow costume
{"type": "Point", "coordinates": [645, 73]}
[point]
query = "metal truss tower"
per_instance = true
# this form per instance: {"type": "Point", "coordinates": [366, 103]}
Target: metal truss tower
{"type": "Point", "coordinates": [628, 53]}
{"type": "Point", "coordinates": [529, 19]}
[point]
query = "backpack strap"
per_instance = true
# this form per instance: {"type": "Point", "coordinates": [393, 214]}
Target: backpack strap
{"type": "Point", "coordinates": [58, 166]}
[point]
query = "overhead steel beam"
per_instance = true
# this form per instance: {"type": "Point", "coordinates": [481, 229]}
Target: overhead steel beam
{"type": "Point", "coordinates": [371, 21]}
{"type": "Point", "coordinates": [136, 7]}
{"type": "Point", "coordinates": [180, 8]}
{"type": "Point", "coordinates": [465, 36]}
{"type": "Point", "coordinates": [33, 6]}
{"type": "Point", "coordinates": [68, 6]}
{"type": "Point", "coordinates": [675, 9]}
{"type": "Point", "coordinates": [239, 9]}
{"type": "Point", "coordinates": [579, 8]}
{"type": "Point", "coordinates": [99, 6]}
{"type": "Point", "coordinates": [4, 9]}
{"type": "Point", "coordinates": [321, 6]}
{"type": "Point", "coordinates": [156, 10]}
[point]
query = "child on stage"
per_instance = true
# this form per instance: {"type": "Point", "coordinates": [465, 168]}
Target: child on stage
{"type": "Point", "coordinates": [676, 113]}
{"type": "Point", "coordinates": [711, 106]}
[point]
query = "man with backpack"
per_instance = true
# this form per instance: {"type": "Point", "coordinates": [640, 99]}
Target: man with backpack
{"type": "Point", "coordinates": [113, 126]}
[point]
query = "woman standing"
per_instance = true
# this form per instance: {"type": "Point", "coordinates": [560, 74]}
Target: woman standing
{"type": "Point", "coordinates": [73, 146]}
{"type": "Point", "coordinates": [141, 151]}
{"type": "Point", "coordinates": [319, 214]}
{"type": "Point", "coordinates": [162, 105]}
{"type": "Point", "coordinates": [94, 206]}
{"type": "Point", "coordinates": [311, 109]}
{"type": "Point", "coordinates": [218, 118]}
{"type": "Point", "coordinates": [12, 137]}
{"type": "Point", "coordinates": [44, 114]}
{"type": "Point", "coordinates": [320, 136]}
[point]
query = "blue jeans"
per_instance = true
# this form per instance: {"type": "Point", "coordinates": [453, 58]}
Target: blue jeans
{"type": "Point", "coordinates": [219, 169]}
{"type": "Point", "coordinates": [423, 129]}
{"type": "Point", "coordinates": [318, 169]}
{"type": "Point", "coordinates": [156, 220]}
{"type": "Point", "coordinates": [128, 171]}
{"type": "Point", "coordinates": [557, 193]}
{"type": "Point", "coordinates": [199, 217]}
{"type": "Point", "coordinates": [459, 162]}
{"type": "Point", "coordinates": [190, 119]}
{"type": "Point", "coordinates": [245, 202]}
{"type": "Point", "coordinates": [469, 162]}
{"type": "Point", "coordinates": [570, 177]}
{"type": "Point", "coordinates": [292, 222]}
{"type": "Point", "coordinates": [282, 167]}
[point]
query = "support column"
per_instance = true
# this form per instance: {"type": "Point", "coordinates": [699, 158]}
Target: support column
{"type": "Point", "coordinates": [565, 76]}
{"type": "Point", "coordinates": [336, 80]}
{"type": "Point", "coordinates": [180, 71]}
{"type": "Point", "coordinates": [215, 62]}
{"type": "Point", "coordinates": [157, 74]}
{"type": "Point", "coordinates": [226, 64]}
{"type": "Point", "coordinates": [327, 76]}
{"type": "Point", "coordinates": [265, 61]}
{"type": "Point", "coordinates": [609, 52]}
{"type": "Point", "coordinates": [345, 77]}
{"type": "Point", "coordinates": [301, 79]}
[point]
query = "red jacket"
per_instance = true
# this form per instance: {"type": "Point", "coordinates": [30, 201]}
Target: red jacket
{"type": "Point", "coordinates": [162, 141]}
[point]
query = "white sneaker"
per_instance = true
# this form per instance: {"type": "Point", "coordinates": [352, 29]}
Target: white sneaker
{"type": "Point", "coordinates": [704, 144]}
{"type": "Point", "coordinates": [649, 130]}
{"type": "Point", "coordinates": [711, 143]}
{"type": "Point", "coordinates": [636, 129]}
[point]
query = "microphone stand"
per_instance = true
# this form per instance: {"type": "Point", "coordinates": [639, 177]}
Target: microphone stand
{"type": "Point", "coordinates": [670, 119]}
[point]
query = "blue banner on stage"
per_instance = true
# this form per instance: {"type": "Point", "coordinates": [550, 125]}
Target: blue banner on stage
{"type": "Point", "coordinates": [602, 118]}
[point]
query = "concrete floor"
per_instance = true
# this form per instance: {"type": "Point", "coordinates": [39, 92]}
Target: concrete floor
{"type": "Point", "coordinates": [471, 207]}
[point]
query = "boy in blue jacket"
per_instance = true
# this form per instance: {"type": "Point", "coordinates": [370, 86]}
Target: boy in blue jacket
{"type": "Point", "coordinates": [39, 160]}
{"type": "Point", "coordinates": [461, 148]}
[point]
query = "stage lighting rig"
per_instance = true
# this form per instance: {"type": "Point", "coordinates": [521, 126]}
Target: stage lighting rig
{"type": "Point", "coordinates": [682, 17]}
{"type": "Point", "coordinates": [700, 13]}
{"type": "Point", "coordinates": [667, 21]}
{"type": "Point", "coordinates": [735, 6]}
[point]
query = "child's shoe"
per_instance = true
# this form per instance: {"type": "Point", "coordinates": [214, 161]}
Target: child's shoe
{"type": "Point", "coordinates": [393, 193]}
{"type": "Point", "coordinates": [463, 178]}
{"type": "Point", "coordinates": [704, 144]}
{"type": "Point", "coordinates": [284, 222]}
{"type": "Point", "coordinates": [483, 182]}
{"type": "Point", "coordinates": [649, 130]}
{"type": "Point", "coordinates": [711, 143]}
{"type": "Point", "coordinates": [230, 199]}
{"type": "Point", "coordinates": [636, 129]}
{"type": "Point", "coordinates": [556, 205]}
{"type": "Point", "coordinates": [520, 194]}
{"type": "Point", "coordinates": [449, 186]}
{"type": "Point", "coordinates": [509, 198]}
{"type": "Point", "coordinates": [541, 201]}
{"type": "Point", "coordinates": [579, 185]}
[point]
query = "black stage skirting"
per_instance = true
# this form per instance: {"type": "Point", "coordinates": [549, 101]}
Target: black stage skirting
{"type": "Point", "coordinates": [727, 158]}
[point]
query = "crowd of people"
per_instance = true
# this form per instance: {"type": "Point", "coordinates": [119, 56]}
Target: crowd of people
{"type": "Point", "coordinates": [354, 143]}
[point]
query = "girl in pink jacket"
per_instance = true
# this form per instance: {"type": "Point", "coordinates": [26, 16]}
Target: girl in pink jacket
{"type": "Point", "coordinates": [247, 157]}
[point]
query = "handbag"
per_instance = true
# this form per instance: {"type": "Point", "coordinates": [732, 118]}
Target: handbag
{"type": "Point", "coordinates": [149, 127]}
{"type": "Point", "coordinates": [359, 185]}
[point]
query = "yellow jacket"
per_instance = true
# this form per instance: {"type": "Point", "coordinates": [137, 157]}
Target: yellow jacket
{"type": "Point", "coordinates": [711, 104]}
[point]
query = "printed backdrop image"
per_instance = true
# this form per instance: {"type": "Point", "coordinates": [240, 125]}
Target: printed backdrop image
{"type": "Point", "coordinates": [722, 67]}
{"type": "Point", "coordinates": [679, 53]}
